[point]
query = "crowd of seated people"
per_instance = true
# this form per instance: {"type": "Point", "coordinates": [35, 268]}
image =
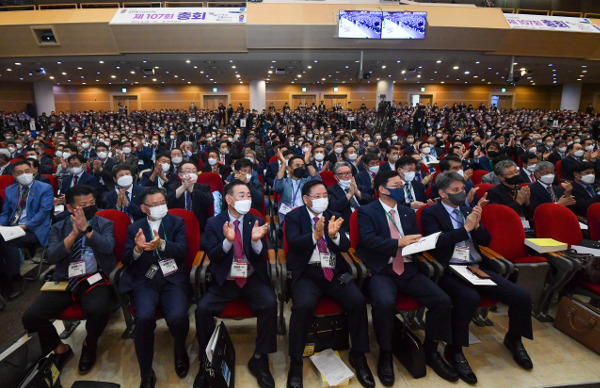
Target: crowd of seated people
{"type": "Point", "coordinates": [314, 171]}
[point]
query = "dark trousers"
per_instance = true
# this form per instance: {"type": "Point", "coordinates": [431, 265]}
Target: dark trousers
{"type": "Point", "coordinates": [384, 288]}
{"type": "Point", "coordinates": [172, 298]}
{"type": "Point", "coordinates": [466, 298]}
{"type": "Point", "coordinates": [49, 305]}
{"type": "Point", "coordinates": [262, 302]}
{"type": "Point", "coordinates": [306, 292]}
{"type": "Point", "coordinates": [9, 253]}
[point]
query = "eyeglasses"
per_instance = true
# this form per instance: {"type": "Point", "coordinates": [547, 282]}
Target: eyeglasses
{"type": "Point", "coordinates": [318, 197]}
{"type": "Point", "coordinates": [349, 173]}
{"type": "Point", "coordinates": [154, 204]}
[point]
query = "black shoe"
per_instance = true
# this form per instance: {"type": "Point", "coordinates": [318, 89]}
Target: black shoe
{"type": "Point", "coordinates": [259, 367]}
{"type": "Point", "coordinates": [441, 367]}
{"type": "Point", "coordinates": [17, 286]}
{"type": "Point", "coordinates": [182, 365]}
{"type": "Point", "coordinates": [87, 359]}
{"type": "Point", "coordinates": [63, 358]}
{"type": "Point", "coordinates": [294, 379]}
{"type": "Point", "coordinates": [519, 353]}
{"type": "Point", "coordinates": [148, 382]}
{"type": "Point", "coordinates": [199, 381]}
{"type": "Point", "coordinates": [385, 369]}
{"type": "Point", "coordinates": [461, 365]}
{"type": "Point", "coordinates": [363, 373]}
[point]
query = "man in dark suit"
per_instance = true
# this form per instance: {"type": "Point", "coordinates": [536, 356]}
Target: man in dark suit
{"type": "Point", "coordinates": [458, 244]}
{"type": "Point", "coordinates": [585, 189]}
{"type": "Point", "coordinates": [319, 162]}
{"type": "Point", "coordinates": [214, 166]}
{"type": "Point", "coordinates": [392, 154]}
{"type": "Point", "coordinates": [77, 175]}
{"type": "Point", "coordinates": [35, 165]}
{"type": "Point", "coordinates": [192, 196]}
{"type": "Point", "coordinates": [574, 155]}
{"type": "Point", "coordinates": [33, 154]}
{"type": "Point", "coordinates": [385, 228]}
{"type": "Point", "coordinates": [414, 191]}
{"type": "Point", "coordinates": [28, 205]}
{"type": "Point", "coordinates": [273, 167]}
{"type": "Point", "coordinates": [101, 168]}
{"type": "Point", "coordinates": [155, 276]}
{"type": "Point", "coordinates": [508, 192]}
{"type": "Point", "coordinates": [543, 190]}
{"type": "Point", "coordinates": [345, 197]}
{"type": "Point", "coordinates": [173, 143]}
{"type": "Point", "coordinates": [163, 175]}
{"type": "Point", "coordinates": [83, 238]}
{"type": "Point", "coordinates": [527, 172]}
{"type": "Point", "coordinates": [315, 274]}
{"type": "Point", "coordinates": [560, 151]}
{"type": "Point", "coordinates": [237, 250]}
{"type": "Point", "coordinates": [364, 179]}
{"type": "Point", "coordinates": [87, 151]}
{"type": "Point", "coordinates": [126, 196]}
{"type": "Point", "coordinates": [243, 172]}
{"type": "Point", "coordinates": [492, 149]}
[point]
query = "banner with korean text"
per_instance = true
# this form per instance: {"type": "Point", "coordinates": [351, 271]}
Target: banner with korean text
{"type": "Point", "coordinates": [550, 23]}
{"type": "Point", "coordinates": [191, 15]}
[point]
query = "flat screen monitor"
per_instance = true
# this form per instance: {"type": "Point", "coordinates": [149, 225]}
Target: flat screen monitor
{"type": "Point", "coordinates": [360, 24]}
{"type": "Point", "coordinates": [403, 25]}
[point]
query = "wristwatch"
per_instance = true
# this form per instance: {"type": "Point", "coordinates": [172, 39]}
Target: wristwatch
{"type": "Point", "coordinates": [88, 229]}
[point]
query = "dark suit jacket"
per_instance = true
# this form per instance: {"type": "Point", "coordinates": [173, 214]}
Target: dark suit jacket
{"type": "Point", "coordinates": [201, 199]}
{"type": "Point", "coordinates": [85, 179]}
{"type": "Point", "coordinates": [171, 176]}
{"type": "Point", "coordinates": [501, 194]}
{"type": "Point", "coordinates": [298, 233]}
{"type": "Point", "coordinates": [272, 170]}
{"type": "Point", "coordinates": [106, 173]}
{"type": "Point", "coordinates": [376, 245]}
{"type": "Point", "coordinates": [102, 243]}
{"type": "Point", "coordinates": [567, 167]}
{"type": "Point", "coordinates": [484, 164]}
{"type": "Point", "coordinates": [540, 195]}
{"type": "Point", "coordinates": [42, 179]}
{"type": "Point", "coordinates": [554, 157]}
{"type": "Point", "coordinates": [173, 228]}
{"type": "Point", "coordinates": [583, 199]}
{"type": "Point", "coordinates": [220, 262]}
{"type": "Point", "coordinates": [419, 190]}
{"type": "Point", "coordinates": [436, 219]}
{"type": "Point", "coordinates": [339, 203]}
{"type": "Point", "coordinates": [364, 182]}
{"type": "Point", "coordinates": [172, 144]}
{"type": "Point", "coordinates": [524, 174]}
{"type": "Point", "coordinates": [385, 167]}
{"type": "Point", "coordinates": [134, 204]}
{"type": "Point", "coordinates": [89, 154]}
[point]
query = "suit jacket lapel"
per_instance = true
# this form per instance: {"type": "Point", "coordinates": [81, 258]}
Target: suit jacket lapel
{"type": "Point", "coordinates": [307, 221]}
{"type": "Point", "coordinates": [386, 229]}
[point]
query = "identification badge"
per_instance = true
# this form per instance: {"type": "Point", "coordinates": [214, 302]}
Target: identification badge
{"type": "Point", "coordinates": [285, 208]}
{"type": "Point", "coordinates": [239, 270]}
{"type": "Point", "coordinates": [327, 260]}
{"type": "Point", "coordinates": [461, 255]}
{"type": "Point", "coordinates": [140, 162]}
{"type": "Point", "coordinates": [76, 268]}
{"type": "Point", "coordinates": [152, 271]}
{"type": "Point", "coordinates": [168, 266]}
{"type": "Point", "coordinates": [94, 279]}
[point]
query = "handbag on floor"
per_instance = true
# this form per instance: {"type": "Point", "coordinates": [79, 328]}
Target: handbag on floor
{"type": "Point", "coordinates": [219, 368]}
{"type": "Point", "coordinates": [579, 321]}
{"type": "Point", "coordinates": [330, 332]}
{"type": "Point", "coordinates": [44, 374]}
{"type": "Point", "coordinates": [408, 349]}
{"type": "Point", "coordinates": [15, 366]}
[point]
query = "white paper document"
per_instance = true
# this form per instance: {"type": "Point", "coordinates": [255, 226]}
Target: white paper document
{"type": "Point", "coordinates": [586, 250]}
{"type": "Point", "coordinates": [212, 343]}
{"type": "Point", "coordinates": [464, 272]}
{"type": "Point", "coordinates": [426, 243]}
{"type": "Point", "coordinates": [11, 232]}
{"type": "Point", "coordinates": [59, 209]}
{"type": "Point", "coordinates": [525, 223]}
{"type": "Point", "coordinates": [331, 367]}
{"type": "Point", "coordinates": [583, 226]}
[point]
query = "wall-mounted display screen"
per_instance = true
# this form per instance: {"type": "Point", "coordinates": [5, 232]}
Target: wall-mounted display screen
{"type": "Point", "coordinates": [360, 24]}
{"type": "Point", "coordinates": [403, 25]}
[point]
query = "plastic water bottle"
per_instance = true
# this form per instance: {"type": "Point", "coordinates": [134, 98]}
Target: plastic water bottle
{"type": "Point", "coordinates": [217, 201]}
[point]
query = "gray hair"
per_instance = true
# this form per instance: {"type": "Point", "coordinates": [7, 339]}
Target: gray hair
{"type": "Point", "coordinates": [252, 152]}
{"type": "Point", "coordinates": [502, 166]}
{"type": "Point", "coordinates": [543, 165]}
{"type": "Point", "coordinates": [6, 153]}
{"type": "Point", "coordinates": [188, 144]}
{"type": "Point", "coordinates": [340, 164]}
{"type": "Point", "coordinates": [445, 179]}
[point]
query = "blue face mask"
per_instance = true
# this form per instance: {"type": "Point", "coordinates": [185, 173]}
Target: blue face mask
{"type": "Point", "coordinates": [397, 195]}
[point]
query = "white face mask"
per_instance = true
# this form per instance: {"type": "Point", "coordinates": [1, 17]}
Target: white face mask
{"type": "Point", "coordinates": [562, 149]}
{"type": "Point", "coordinates": [339, 150]}
{"type": "Point", "coordinates": [345, 184]}
{"type": "Point", "coordinates": [588, 179]}
{"type": "Point", "coordinates": [319, 157]}
{"type": "Point", "coordinates": [66, 155]}
{"type": "Point", "coordinates": [319, 205]}
{"type": "Point", "coordinates": [532, 150]}
{"type": "Point", "coordinates": [212, 161]}
{"type": "Point", "coordinates": [426, 150]}
{"type": "Point", "coordinates": [158, 212]}
{"type": "Point", "coordinates": [550, 144]}
{"type": "Point", "coordinates": [352, 157]}
{"type": "Point", "coordinates": [393, 158]}
{"type": "Point", "coordinates": [578, 154]}
{"type": "Point", "coordinates": [248, 177]}
{"type": "Point", "coordinates": [242, 206]}
{"type": "Point", "coordinates": [126, 150]}
{"type": "Point", "coordinates": [102, 154]}
{"type": "Point", "coordinates": [531, 168]}
{"type": "Point", "coordinates": [58, 154]}
{"type": "Point", "coordinates": [25, 179]}
{"type": "Point", "coordinates": [374, 169]}
{"type": "Point", "coordinates": [589, 148]}
{"type": "Point", "coordinates": [305, 150]}
{"type": "Point", "coordinates": [76, 170]}
{"type": "Point", "coordinates": [177, 159]}
{"type": "Point", "coordinates": [12, 150]}
{"type": "Point", "coordinates": [409, 176]}
{"type": "Point", "coordinates": [154, 142]}
{"type": "Point", "coordinates": [223, 151]}
{"type": "Point", "coordinates": [166, 167]}
{"type": "Point", "coordinates": [547, 179]}
{"type": "Point", "coordinates": [321, 142]}
{"type": "Point", "coordinates": [125, 181]}
{"type": "Point", "coordinates": [172, 137]}
{"type": "Point", "coordinates": [193, 177]}
{"type": "Point", "coordinates": [85, 145]}
{"type": "Point", "coordinates": [461, 172]}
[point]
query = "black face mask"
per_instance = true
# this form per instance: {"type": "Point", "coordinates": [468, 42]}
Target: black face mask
{"type": "Point", "coordinates": [515, 180]}
{"type": "Point", "coordinates": [90, 211]}
{"type": "Point", "coordinates": [458, 198]}
{"type": "Point", "coordinates": [492, 154]}
{"type": "Point", "coordinates": [300, 172]}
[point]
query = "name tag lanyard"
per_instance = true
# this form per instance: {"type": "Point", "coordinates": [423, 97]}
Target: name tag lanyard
{"type": "Point", "coordinates": [164, 237]}
{"type": "Point", "coordinates": [462, 223]}
{"type": "Point", "coordinates": [295, 194]}
{"type": "Point", "coordinates": [393, 222]}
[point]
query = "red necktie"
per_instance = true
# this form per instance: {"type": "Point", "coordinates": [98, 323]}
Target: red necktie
{"type": "Point", "coordinates": [398, 262]}
{"type": "Point", "coordinates": [328, 272]}
{"type": "Point", "coordinates": [238, 252]}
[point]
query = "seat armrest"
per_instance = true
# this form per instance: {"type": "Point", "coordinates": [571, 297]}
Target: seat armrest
{"type": "Point", "coordinates": [205, 275]}
{"type": "Point", "coordinates": [116, 273]}
{"type": "Point", "coordinates": [437, 266]}
{"type": "Point", "coordinates": [195, 274]}
{"type": "Point", "coordinates": [350, 265]}
{"type": "Point", "coordinates": [272, 256]}
{"type": "Point", "coordinates": [507, 266]}
{"type": "Point", "coordinates": [284, 275]}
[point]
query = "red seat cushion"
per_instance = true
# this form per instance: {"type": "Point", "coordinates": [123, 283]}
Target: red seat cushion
{"type": "Point", "coordinates": [595, 288]}
{"type": "Point", "coordinates": [237, 309]}
{"type": "Point", "coordinates": [487, 302]}
{"type": "Point", "coordinates": [529, 259]}
{"type": "Point", "coordinates": [327, 306]}
{"type": "Point", "coordinates": [73, 312]}
{"type": "Point", "coordinates": [405, 303]}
